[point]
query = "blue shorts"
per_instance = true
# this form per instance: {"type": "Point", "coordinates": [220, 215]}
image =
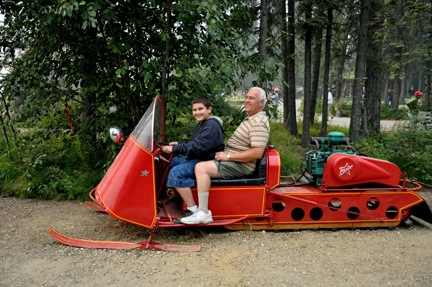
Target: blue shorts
{"type": "Point", "coordinates": [182, 173]}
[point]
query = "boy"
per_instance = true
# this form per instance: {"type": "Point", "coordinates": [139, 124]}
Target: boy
{"type": "Point", "coordinates": [207, 139]}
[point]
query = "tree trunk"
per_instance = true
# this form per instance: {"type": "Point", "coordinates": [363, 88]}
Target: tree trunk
{"type": "Point", "coordinates": [286, 87]}
{"type": "Point", "coordinates": [5, 135]}
{"type": "Point", "coordinates": [355, 124]}
{"type": "Point", "coordinates": [315, 72]}
{"type": "Point", "coordinates": [9, 117]}
{"type": "Point", "coordinates": [262, 46]}
{"type": "Point", "coordinates": [375, 74]}
{"type": "Point", "coordinates": [428, 100]}
{"type": "Point", "coordinates": [339, 77]}
{"type": "Point", "coordinates": [323, 132]}
{"type": "Point", "coordinates": [428, 95]}
{"type": "Point", "coordinates": [291, 111]}
{"type": "Point", "coordinates": [307, 79]}
{"type": "Point", "coordinates": [396, 92]}
{"type": "Point", "coordinates": [339, 89]}
{"type": "Point", "coordinates": [167, 49]}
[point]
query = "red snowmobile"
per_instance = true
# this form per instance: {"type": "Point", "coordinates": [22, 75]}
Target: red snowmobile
{"type": "Point", "coordinates": [340, 190]}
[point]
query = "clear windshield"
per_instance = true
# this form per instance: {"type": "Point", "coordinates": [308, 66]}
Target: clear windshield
{"type": "Point", "coordinates": [151, 126]}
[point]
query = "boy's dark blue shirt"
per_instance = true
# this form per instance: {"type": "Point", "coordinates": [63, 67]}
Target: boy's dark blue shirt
{"type": "Point", "coordinates": [207, 139]}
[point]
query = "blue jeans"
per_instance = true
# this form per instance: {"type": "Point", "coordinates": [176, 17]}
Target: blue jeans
{"type": "Point", "coordinates": [182, 173]}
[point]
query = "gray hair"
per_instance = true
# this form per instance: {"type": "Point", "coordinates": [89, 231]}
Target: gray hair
{"type": "Point", "coordinates": [262, 95]}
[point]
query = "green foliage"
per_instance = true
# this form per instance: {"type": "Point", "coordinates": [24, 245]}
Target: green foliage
{"type": "Point", "coordinates": [51, 167]}
{"type": "Point", "coordinates": [410, 150]}
{"type": "Point", "coordinates": [72, 61]}
{"type": "Point", "coordinates": [48, 160]}
{"type": "Point", "coordinates": [387, 113]}
{"type": "Point", "coordinates": [289, 148]}
{"type": "Point", "coordinates": [425, 107]}
{"type": "Point", "coordinates": [100, 55]}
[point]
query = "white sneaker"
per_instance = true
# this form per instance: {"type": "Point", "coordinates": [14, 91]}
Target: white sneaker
{"type": "Point", "coordinates": [199, 217]}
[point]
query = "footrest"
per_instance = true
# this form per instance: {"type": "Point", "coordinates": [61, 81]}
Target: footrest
{"type": "Point", "coordinates": [216, 222]}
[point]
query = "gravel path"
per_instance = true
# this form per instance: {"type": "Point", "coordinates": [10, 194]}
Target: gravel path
{"type": "Point", "coordinates": [363, 257]}
{"type": "Point", "coordinates": [385, 125]}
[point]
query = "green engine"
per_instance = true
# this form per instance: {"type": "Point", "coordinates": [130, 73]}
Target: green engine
{"type": "Point", "coordinates": [325, 146]}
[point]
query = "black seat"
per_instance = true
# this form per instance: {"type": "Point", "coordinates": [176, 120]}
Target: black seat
{"type": "Point", "coordinates": [257, 178]}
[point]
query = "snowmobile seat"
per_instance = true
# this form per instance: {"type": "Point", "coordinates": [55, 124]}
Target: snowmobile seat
{"type": "Point", "coordinates": [258, 177]}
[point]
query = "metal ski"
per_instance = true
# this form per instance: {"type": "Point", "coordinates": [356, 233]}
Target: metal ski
{"type": "Point", "coordinates": [122, 245]}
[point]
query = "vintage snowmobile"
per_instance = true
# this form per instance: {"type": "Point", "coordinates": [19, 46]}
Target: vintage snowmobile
{"type": "Point", "coordinates": [342, 190]}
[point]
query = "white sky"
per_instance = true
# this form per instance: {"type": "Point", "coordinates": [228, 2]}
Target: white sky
{"type": "Point", "coordinates": [2, 71]}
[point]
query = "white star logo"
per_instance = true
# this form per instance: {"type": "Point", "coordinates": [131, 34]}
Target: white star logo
{"type": "Point", "coordinates": [144, 173]}
{"type": "Point", "coordinates": [345, 169]}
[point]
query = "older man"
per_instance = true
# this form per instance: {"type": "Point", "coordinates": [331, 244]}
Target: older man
{"type": "Point", "coordinates": [246, 145]}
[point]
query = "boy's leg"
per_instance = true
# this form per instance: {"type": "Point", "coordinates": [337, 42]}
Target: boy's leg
{"type": "Point", "coordinates": [182, 175]}
{"type": "Point", "coordinates": [186, 194]}
{"type": "Point", "coordinates": [182, 178]}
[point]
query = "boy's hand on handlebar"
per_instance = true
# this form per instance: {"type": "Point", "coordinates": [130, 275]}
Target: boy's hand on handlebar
{"type": "Point", "coordinates": [167, 149]}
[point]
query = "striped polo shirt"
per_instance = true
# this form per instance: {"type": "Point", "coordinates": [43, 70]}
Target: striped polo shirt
{"type": "Point", "coordinates": [253, 132]}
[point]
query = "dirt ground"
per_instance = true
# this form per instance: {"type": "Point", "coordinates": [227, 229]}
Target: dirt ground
{"type": "Point", "coordinates": [29, 256]}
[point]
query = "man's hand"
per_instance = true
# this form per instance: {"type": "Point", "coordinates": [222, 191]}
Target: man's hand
{"type": "Point", "coordinates": [244, 156]}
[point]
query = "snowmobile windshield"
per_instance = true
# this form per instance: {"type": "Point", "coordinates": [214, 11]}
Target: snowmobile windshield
{"type": "Point", "coordinates": [150, 128]}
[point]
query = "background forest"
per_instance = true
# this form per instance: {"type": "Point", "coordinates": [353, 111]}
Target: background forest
{"type": "Point", "coordinates": [71, 69]}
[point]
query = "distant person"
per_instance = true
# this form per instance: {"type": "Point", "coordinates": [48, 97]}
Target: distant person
{"type": "Point", "coordinates": [246, 145]}
{"type": "Point", "coordinates": [413, 106]}
{"type": "Point", "coordinates": [329, 103]}
{"type": "Point", "coordinates": [276, 97]}
{"type": "Point", "coordinates": [389, 97]}
{"type": "Point", "coordinates": [411, 91]}
{"type": "Point", "coordinates": [207, 139]}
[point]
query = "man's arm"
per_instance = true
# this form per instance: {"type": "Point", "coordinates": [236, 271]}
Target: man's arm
{"type": "Point", "coordinates": [244, 156]}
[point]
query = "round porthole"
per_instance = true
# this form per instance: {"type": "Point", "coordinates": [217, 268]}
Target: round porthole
{"type": "Point", "coordinates": [353, 212]}
{"type": "Point", "coordinates": [335, 204]}
{"type": "Point", "coordinates": [392, 212]}
{"type": "Point", "coordinates": [372, 203]}
{"type": "Point", "coordinates": [316, 213]}
{"type": "Point", "coordinates": [297, 214]}
{"type": "Point", "coordinates": [279, 205]}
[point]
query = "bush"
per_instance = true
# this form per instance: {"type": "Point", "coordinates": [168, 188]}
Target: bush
{"type": "Point", "coordinates": [289, 148]}
{"type": "Point", "coordinates": [50, 167]}
{"type": "Point", "coordinates": [387, 113]}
